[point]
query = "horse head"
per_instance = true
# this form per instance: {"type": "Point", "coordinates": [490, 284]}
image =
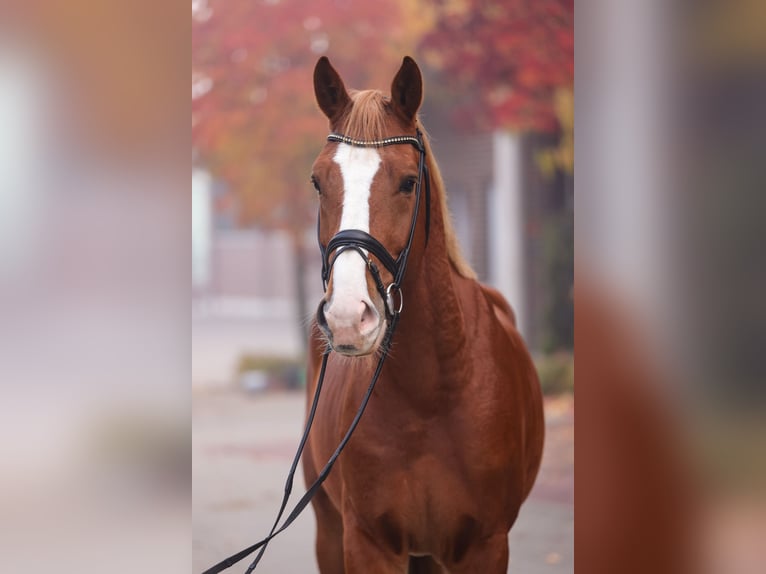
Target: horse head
{"type": "Point", "coordinates": [369, 189]}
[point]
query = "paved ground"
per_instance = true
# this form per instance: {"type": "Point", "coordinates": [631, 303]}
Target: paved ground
{"type": "Point", "coordinates": [243, 446]}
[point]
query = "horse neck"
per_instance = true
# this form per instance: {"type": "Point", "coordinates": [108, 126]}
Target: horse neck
{"type": "Point", "coordinates": [431, 337]}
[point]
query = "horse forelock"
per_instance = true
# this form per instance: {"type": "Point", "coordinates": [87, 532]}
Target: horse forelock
{"type": "Point", "coordinates": [367, 120]}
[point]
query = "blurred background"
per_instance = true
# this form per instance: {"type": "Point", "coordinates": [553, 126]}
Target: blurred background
{"type": "Point", "coordinates": [499, 110]}
{"type": "Point", "coordinates": [98, 357]}
{"type": "Point", "coordinates": [94, 268]}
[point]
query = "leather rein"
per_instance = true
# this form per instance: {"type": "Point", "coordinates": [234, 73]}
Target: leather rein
{"type": "Point", "coordinates": [364, 244]}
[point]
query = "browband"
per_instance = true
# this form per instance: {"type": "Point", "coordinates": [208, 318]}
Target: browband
{"type": "Point", "coordinates": [377, 143]}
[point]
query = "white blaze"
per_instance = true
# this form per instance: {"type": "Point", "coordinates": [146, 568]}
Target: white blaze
{"type": "Point", "coordinates": [358, 167]}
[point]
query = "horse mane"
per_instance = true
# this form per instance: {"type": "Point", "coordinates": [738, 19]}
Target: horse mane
{"type": "Point", "coordinates": [366, 120]}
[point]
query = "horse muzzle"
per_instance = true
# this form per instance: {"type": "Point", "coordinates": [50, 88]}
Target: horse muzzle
{"type": "Point", "coordinates": [352, 328]}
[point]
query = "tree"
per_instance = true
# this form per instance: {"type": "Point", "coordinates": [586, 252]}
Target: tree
{"type": "Point", "coordinates": [511, 63]}
{"type": "Point", "coordinates": [512, 56]}
{"type": "Point", "coordinates": [255, 125]}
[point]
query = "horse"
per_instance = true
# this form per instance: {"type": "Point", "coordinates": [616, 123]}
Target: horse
{"type": "Point", "coordinates": [451, 441]}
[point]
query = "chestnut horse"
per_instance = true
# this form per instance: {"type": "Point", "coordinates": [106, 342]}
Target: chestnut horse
{"type": "Point", "coordinates": [451, 441]}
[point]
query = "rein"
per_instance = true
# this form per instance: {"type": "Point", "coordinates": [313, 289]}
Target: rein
{"type": "Point", "coordinates": [359, 241]}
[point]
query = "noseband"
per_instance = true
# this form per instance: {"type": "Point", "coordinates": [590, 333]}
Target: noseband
{"type": "Point", "coordinates": [364, 243]}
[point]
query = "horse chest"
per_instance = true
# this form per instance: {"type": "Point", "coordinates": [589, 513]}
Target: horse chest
{"type": "Point", "coordinates": [420, 503]}
{"type": "Point", "coordinates": [414, 480]}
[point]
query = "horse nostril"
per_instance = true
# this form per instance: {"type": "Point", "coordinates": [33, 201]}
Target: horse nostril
{"type": "Point", "coordinates": [321, 319]}
{"type": "Point", "coordinates": [369, 316]}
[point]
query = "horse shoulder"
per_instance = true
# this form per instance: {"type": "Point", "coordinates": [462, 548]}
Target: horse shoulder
{"type": "Point", "coordinates": [525, 384]}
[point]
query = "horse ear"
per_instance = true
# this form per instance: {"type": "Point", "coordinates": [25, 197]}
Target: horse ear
{"type": "Point", "coordinates": [329, 90]}
{"type": "Point", "coordinates": [407, 89]}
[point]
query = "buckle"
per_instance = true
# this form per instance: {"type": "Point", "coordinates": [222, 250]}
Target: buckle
{"type": "Point", "coordinates": [390, 298]}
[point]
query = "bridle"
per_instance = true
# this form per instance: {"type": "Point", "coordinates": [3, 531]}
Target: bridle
{"type": "Point", "coordinates": [363, 243]}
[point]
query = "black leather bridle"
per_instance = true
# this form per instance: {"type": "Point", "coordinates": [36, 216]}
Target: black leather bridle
{"type": "Point", "coordinates": [359, 241]}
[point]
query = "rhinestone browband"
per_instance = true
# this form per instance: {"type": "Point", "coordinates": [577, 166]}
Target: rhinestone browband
{"type": "Point", "coordinates": [374, 143]}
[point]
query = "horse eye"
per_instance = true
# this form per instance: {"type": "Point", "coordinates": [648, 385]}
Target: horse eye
{"type": "Point", "coordinates": [315, 183]}
{"type": "Point", "coordinates": [408, 185]}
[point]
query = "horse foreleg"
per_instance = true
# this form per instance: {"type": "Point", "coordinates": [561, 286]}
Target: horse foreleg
{"type": "Point", "coordinates": [364, 555]}
{"type": "Point", "coordinates": [424, 565]}
{"type": "Point", "coordinates": [329, 537]}
{"type": "Point", "coordinates": [488, 556]}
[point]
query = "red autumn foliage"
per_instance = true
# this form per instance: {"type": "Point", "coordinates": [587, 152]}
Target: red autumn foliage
{"type": "Point", "coordinates": [510, 56]}
{"type": "Point", "coordinates": [255, 124]}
